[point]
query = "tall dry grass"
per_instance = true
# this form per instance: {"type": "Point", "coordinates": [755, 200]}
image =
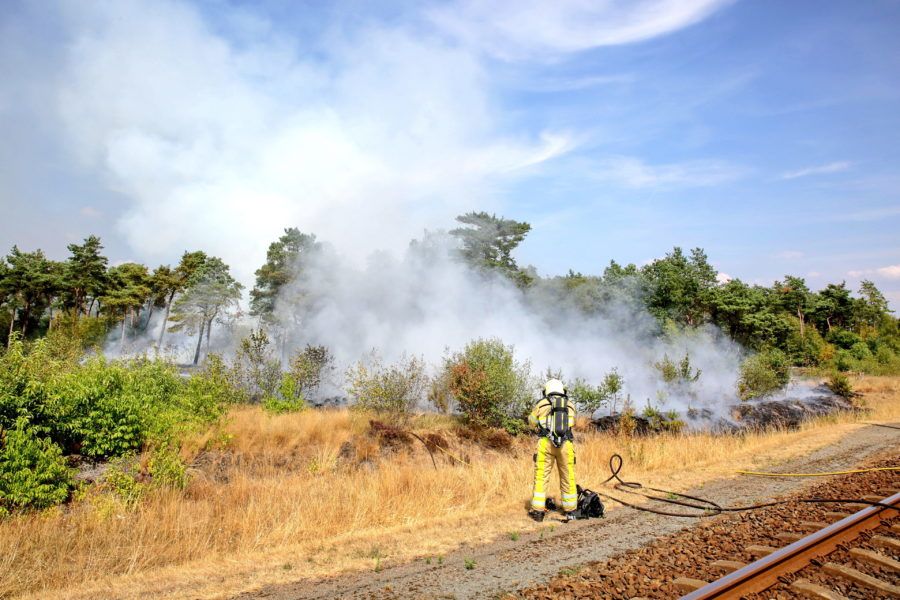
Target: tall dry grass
{"type": "Point", "coordinates": [280, 497]}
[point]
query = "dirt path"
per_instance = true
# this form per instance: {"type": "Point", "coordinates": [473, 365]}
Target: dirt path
{"type": "Point", "coordinates": [509, 565]}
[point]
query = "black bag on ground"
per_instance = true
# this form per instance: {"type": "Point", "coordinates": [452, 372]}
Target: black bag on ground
{"type": "Point", "coordinates": [589, 504]}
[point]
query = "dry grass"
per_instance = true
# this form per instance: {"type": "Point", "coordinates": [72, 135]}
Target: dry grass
{"type": "Point", "coordinates": [277, 498]}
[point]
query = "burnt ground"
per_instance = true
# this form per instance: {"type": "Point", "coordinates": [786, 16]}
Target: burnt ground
{"type": "Point", "coordinates": [512, 566]}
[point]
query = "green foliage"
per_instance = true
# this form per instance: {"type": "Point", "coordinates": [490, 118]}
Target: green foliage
{"type": "Point", "coordinates": [663, 421]}
{"type": "Point", "coordinates": [763, 373]}
{"type": "Point", "coordinates": [310, 367]}
{"type": "Point", "coordinates": [490, 386]}
{"type": "Point", "coordinates": [397, 388]}
{"type": "Point", "coordinates": [681, 372]}
{"type": "Point", "coordinates": [256, 370]}
{"type": "Point", "coordinates": [103, 408]}
{"type": "Point", "coordinates": [487, 242]}
{"type": "Point", "coordinates": [843, 338]}
{"type": "Point", "coordinates": [679, 287]}
{"type": "Point", "coordinates": [589, 398]}
{"type": "Point", "coordinates": [283, 263]}
{"type": "Point", "coordinates": [805, 346]}
{"type": "Point", "coordinates": [33, 472]}
{"type": "Point", "coordinates": [166, 468]}
{"type": "Point", "coordinates": [289, 396]}
{"type": "Point", "coordinates": [840, 385]}
{"type": "Point", "coordinates": [121, 478]}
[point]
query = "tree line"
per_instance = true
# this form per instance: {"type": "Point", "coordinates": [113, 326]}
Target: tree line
{"type": "Point", "coordinates": [829, 327]}
{"type": "Point", "coordinates": [37, 293]}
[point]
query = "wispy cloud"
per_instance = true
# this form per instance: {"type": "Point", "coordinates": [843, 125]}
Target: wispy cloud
{"type": "Point", "coordinates": [536, 29]}
{"type": "Point", "coordinates": [888, 272]}
{"type": "Point", "coordinates": [873, 214]}
{"type": "Point", "coordinates": [633, 172]}
{"type": "Point", "coordinates": [834, 167]}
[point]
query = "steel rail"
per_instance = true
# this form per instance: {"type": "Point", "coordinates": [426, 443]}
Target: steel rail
{"type": "Point", "coordinates": [764, 573]}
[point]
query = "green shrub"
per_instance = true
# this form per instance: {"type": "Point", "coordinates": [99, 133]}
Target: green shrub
{"type": "Point", "coordinates": [396, 388]}
{"type": "Point", "coordinates": [860, 351]}
{"type": "Point", "coordinates": [113, 408]}
{"type": "Point", "coordinates": [289, 397]}
{"type": "Point", "coordinates": [208, 392]}
{"type": "Point", "coordinates": [310, 367]}
{"type": "Point", "coordinates": [763, 373]}
{"type": "Point", "coordinates": [840, 385]}
{"type": "Point", "coordinates": [843, 360]}
{"type": "Point", "coordinates": [589, 397]}
{"type": "Point", "coordinates": [805, 350]}
{"type": "Point", "coordinates": [33, 472]}
{"type": "Point", "coordinates": [166, 468]}
{"type": "Point", "coordinates": [490, 386]}
{"type": "Point", "coordinates": [681, 372]}
{"type": "Point", "coordinates": [121, 478]}
{"type": "Point", "coordinates": [255, 368]}
{"type": "Point", "coordinates": [843, 338]}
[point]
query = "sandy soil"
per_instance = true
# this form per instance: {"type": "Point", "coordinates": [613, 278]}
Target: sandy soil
{"type": "Point", "coordinates": [508, 565]}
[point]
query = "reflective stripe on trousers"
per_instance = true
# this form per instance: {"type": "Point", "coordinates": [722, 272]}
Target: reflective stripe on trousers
{"type": "Point", "coordinates": [564, 457]}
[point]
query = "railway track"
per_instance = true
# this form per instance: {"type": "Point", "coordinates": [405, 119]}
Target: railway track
{"type": "Point", "coordinates": [790, 550]}
{"type": "Point", "coordinates": [813, 552]}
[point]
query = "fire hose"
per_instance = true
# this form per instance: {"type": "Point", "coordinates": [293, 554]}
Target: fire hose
{"type": "Point", "coordinates": [706, 507]}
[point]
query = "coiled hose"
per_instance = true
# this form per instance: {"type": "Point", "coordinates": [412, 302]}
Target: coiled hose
{"type": "Point", "coordinates": [702, 507]}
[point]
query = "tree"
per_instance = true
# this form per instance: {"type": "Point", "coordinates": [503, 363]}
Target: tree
{"type": "Point", "coordinates": [795, 297]}
{"type": "Point", "coordinates": [679, 287]}
{"type": "Point", "coordinates": [488, 241]}
{"type": "Point", "coordinates": [128, 290]}
{"type": "Point", "coordinates": [833, 306]}
{"type": "Point", "coordinates": [750, 315]}
{"type": "Point", "coordinates": [169, 283]}
{"type": "Point", "coordinates": [85, 274]}
{"type": "Point", "coordinates": [30, 284]}
{"type": "Point", "coordinates": [872, 306]}
{"type": "Point", "coordinates": [280, 269]}
{"type": "Point", "coordinates": [210, 293]}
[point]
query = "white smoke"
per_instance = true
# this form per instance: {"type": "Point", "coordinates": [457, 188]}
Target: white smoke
{"type": "Point", "coordinates": [428, 303]}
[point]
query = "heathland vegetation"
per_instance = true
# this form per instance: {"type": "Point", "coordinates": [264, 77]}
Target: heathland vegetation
{"type": "Point", "coordinates": [99, 454]}
{"type": "Point", "coordinates": [62, 403]}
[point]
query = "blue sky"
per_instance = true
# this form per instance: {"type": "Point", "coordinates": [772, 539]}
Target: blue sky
{"type": "Point", "coordinates": [765, 132]}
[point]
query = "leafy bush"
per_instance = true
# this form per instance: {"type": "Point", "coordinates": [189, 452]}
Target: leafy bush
{"type": "Point", "coordinates": [589, 398]}
{"type": "Point", "coordinates": [209, 391]}
{"type": "Point", "coordinates": [763, 374]}
{"type": "Point", "coordinates": [33, 472]}
{"type": "Point", "coordinates": [491, 387]}
{"type": "Point", "coordinates": [166, 468]}
{"type": "Point", "coordinates": [121, 478]}
{"type": "Point", "coordinates": [840, 385]}
{"type": "Point", "coordinates": [256, 370]}
{"type": "Point", "coordinates": [668, 421]}
{"type": "Point", "coordinates": [860, 351]}
{"type": "Point", "coordinates": [807, 349]}
{"type": "Point", "coordinates": [310, 367]}
{"type": "Point", "coordinates": [843, 360]}
{"type": "Point", "coordinates": [289, 397]}
{"type": "Point", "coordinates": [842, 338]}
{"type": "Point", "coordinates": [677, 373]}
{"type": "Point", "coordinates": [396, 388]}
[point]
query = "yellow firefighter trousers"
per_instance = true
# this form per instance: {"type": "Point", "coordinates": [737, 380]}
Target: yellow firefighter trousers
{"type": "Point", "coordinates": [564, 457]}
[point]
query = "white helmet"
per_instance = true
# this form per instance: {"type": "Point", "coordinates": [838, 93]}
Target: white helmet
{"type": "Point", "coordinates": [554, 386]}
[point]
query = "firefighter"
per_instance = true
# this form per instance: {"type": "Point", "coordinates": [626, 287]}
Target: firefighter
{"type": "Point", "coordinates": [552, 418]}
